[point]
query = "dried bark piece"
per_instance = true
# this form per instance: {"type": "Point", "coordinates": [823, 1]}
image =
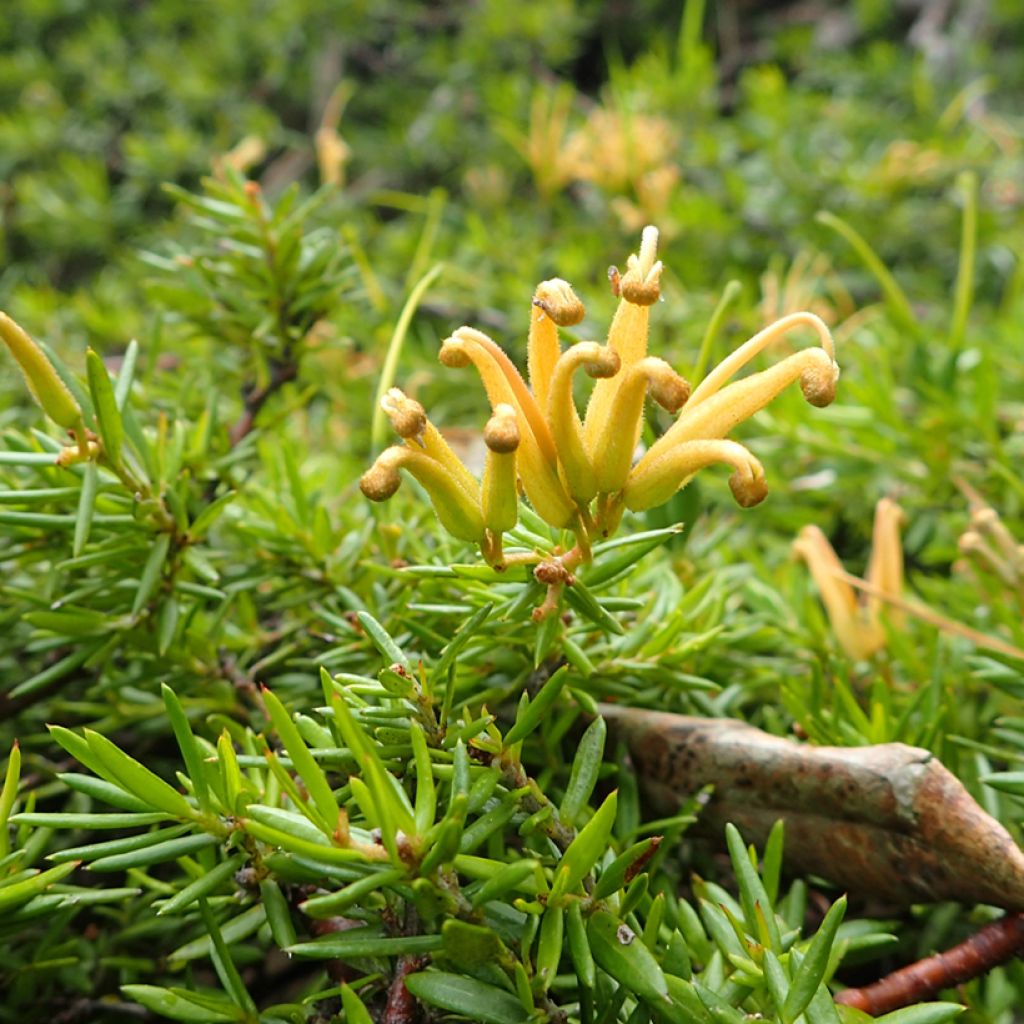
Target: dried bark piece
{"type": "Point", "coordinates": [888, 821]}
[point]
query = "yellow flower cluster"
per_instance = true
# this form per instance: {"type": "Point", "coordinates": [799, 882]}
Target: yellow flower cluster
{"type": "Point", "coordinates": [579, 472]}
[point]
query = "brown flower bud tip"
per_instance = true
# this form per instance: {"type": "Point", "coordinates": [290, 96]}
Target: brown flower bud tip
{"type": "Point", "coordinates": [970, 541]}
{"type": "Point", "coordinates": [252, 190]}
{"type": "Point", "coordinates": [606, 365]}
{"type": "Point", "coordinates": [641, 293]}
{"type": "Point", "coordinates": [501, 434]}
{"type": "Point", "coordinates": [557, 299]}
{"type": "Point", "coordinates": [671, 393]}
{"type": "Point", "coordinates": [453, 354]}
{"type": "Point", "coordinates": [818, 385]}
{"type": "Point", "coordinates": [380, 481]}
{"type": "Point", "coordinates": [406, 414]}
{"type": "Point", "coordinates": [748, 490]}
{"type": "Point", "coordinates": [553, 573]}
{"type": "Point", "coordinates": [984, 518]}
{"type": "Point", "coordinates": [615, 280]}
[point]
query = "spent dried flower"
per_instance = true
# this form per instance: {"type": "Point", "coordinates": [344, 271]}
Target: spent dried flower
{"type": "Point", "coordinates": [578, 472]}
{"type": "Point", "coordinates": [857, 619]}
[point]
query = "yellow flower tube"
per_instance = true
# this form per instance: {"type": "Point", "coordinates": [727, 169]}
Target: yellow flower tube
{"type": "Point", "coordinates": [601, 362]}
{"type": "Point", "coordinates": [857, 637]}
{"type": "Point", "coordinates": [639, 288]}
{"type": "Point", "coordinates": [460, 516]}
{"type": "Point", "coordinates": [410, 422]}
{"type": "Point", "coordinates": [718, 414]}
{"type": "Point", "coordinates": [885, 566]}
{"type": "Point", "coordinates": [659, 479]}
{"type": "Point", "coordinates": [616, 438]}
{"type": "Point", "coordinates": [537, 459]}
{"type": "Point", "coordinates": [554, 305]}
{"type": "Point", "coordinates": [734, 362]}
{"type": "Point", "coordinates": [500, 497]}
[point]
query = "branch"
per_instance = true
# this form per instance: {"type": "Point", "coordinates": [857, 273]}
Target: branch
{"type": "Point", "coordinates": [993, 945]}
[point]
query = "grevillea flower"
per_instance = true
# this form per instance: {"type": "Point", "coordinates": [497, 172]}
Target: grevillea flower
{"type": "Point", "coordinates": [856, 619]}
{"type": "Point", "coordinates": [577, 472]}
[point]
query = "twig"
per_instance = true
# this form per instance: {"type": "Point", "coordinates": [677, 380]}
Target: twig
{"type": "Point", "coordinates": [401, 1007]}
{"type": "Point", "coordinates": [255, 399]}
{"type": "Point", "coordinates": [993, 945]}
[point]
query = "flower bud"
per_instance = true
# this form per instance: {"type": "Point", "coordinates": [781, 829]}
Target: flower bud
{"type": "Point", "coordinates": [638, 289]}
{"type": "Point", "coordinates": [49, 391]}
{"type": "Point", "coordinates": [559, 302]}
{"type": "Point", "coordinates": [499, 494]}
{"type": "Point", "coordinates": [501, 434]}
{"type": "Point", "coordinates": [554, 305]}
{"type": "Point", "coordinates": [407, 416]}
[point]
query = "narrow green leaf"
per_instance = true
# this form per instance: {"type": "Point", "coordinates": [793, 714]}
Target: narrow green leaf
{"type": "Point", "coordinates": [549, 946]}
{"type": "Point", "coordinates": [321, 853]}
{"type": "Point", "coordinates": [63, 819]}
{"type": "Point", "coordinates": [167, 623]}
{"type": "Point", "coordinates": [204, 885]}
{"type": "Point", "coordinates": [614, 558]}
{"type": "Point", "coordinates": [8, 795]}
{"type": "Point", "coordinates": [583, 601]}
{"type": "Point", "coordinates": [151, 572]}
{"type": "Point", "coordinates": [188, 746]}
{"type": "Point", "coordinates": [15, 893]}
{"type": "Point", "coordinates": [508, 878]}
{"type": "Point", "coordinates": [923, 1013]}
{"type": "Point", "coordinates": [309, 771]}
{"type": "Point", "coordinates": [56, 671]}
{"type": "Point", "coordinates": [812, 971]}
{"type": "Point", "coordinates": [126, 374]}
{"type": "Point", "coordinates": [533, 714]}
{"type": "Point", "coordinates": [179, 1004]}
{"type": "Point", "coordinates": [614, 876]}
{"type": "Point", "coordinates": [108, 414]}
{"type": "Point", "coordinates": [235, 930]}
{"type": "Point", "coordinates": [752, 892]}
{"type": "Point", "coordinates": [426, 792]}
{"type": "Point", "coordinates": [158, 854]}
{"type": "Point", "coordinates": [453, 648]}
{"type": "Point", "coordinates": [585, 768]}
{"type": "Point", "coordinates": [354, 1009]}
{"type": "Point", "coordinates": [586, 849]}
{"type": "Point", "coordinates": [279, 914]}
{"type": "Point", "coordinates": [334, 903]}
{"type": "Point", "coordinates": [86, 507]}
{"type": "Point", "coordinates": [473, 999]}
{"type": "Point", "coordinates": [620, 952]}
{"type": "Point", "coordinates": [124, 845]}
{"type": "Point", "coordinates": [117, 767]}
{"type": "Point", "coordinates": [382, 641]}
{"type": "Point", "coordinates": [210, 514]}
{"type": "Point", "coordinates": [224, 965]}
{"type": "Point", "coordinates": [356, 943]}
{"type": "Point", "coordinates": [579, 946]}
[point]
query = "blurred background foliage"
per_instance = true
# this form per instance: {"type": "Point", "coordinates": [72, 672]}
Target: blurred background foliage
{"type": "Point", "coordinates": [488, 146]}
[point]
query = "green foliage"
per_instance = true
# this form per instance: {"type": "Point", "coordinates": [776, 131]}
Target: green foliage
{"type": "Point", "coordinates": [301, 752]}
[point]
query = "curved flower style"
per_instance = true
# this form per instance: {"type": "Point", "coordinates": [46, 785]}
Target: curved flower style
{"type": "Point", "coordinates": [578, 473]}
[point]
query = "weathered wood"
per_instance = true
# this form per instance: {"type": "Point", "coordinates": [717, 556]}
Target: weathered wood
{"type": "Point", "coordinates": [888, 821]}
